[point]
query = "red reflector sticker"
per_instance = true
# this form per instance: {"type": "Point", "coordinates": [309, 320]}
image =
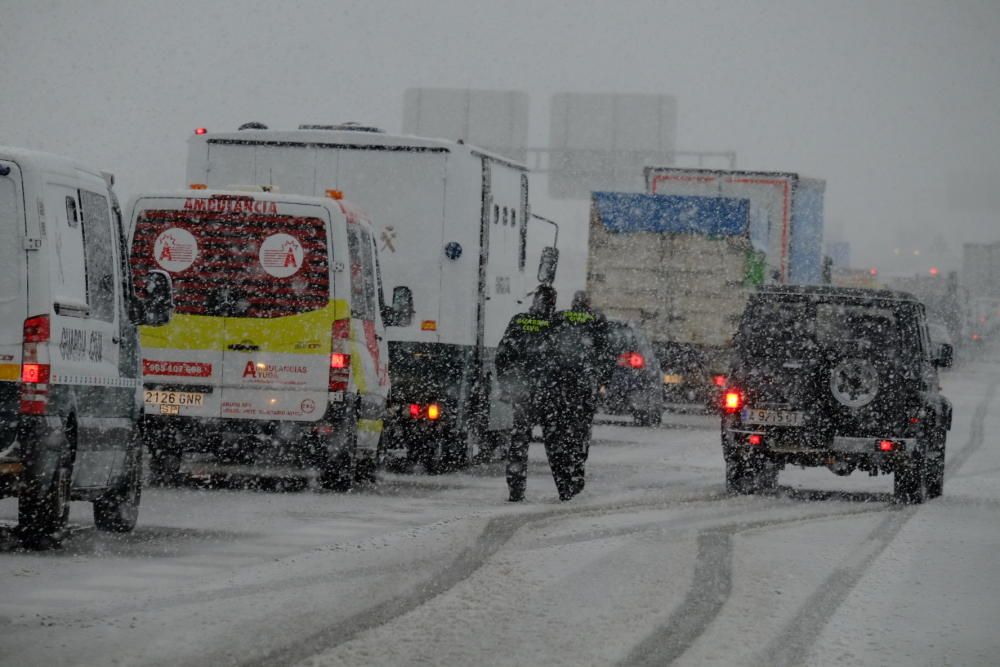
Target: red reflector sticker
{"type": "Point", "coordinates": [886, 445]}
{"type": "Point", "coordinates": [755, 439]}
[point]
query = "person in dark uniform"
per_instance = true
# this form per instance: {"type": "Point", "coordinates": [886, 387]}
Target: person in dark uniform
{"type": "Point", "coordinates": [581, 362]}
{"type": "Point", "coordinates": [522, 360]}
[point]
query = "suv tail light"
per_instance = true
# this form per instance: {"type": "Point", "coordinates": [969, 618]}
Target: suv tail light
{"type": "Point", "coordinates": [719, 380]}
{"type": "Point", "coordinates": [733, 401]}
{"type": "Point", "coordinates": [631, 360]}
{"type": "Point", "coordinates": [340, 358]}
{"type": "Point", "coordinates": [35, 369]}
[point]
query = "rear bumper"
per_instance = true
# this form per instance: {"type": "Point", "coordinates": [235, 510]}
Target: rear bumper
{"type": "Point", "coordinates": [862, 452]}
{"type": "Point", "coordinates": [209, 435]}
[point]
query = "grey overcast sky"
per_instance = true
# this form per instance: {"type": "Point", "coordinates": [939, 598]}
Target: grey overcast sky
{"type": "Point", "coordinates": [894, 102]}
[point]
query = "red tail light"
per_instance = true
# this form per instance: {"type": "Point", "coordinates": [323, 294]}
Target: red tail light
{"type": "Point", "coordinates": [35, 369]}
{"type": "Point", "coordinates": [631, 360]}
{"type": "Point", "coordinates": [886, 445]}
{"type": "Point", "coordinates": [340, 358]}
{"type": "Point", "coordinates": [755, 439]}
{"type": "Point", "coordinates": [431, 411]}
{"type": "Point", "coordinates": [719, 380]}
{"type": "Point", "coordinates": [733, 401]}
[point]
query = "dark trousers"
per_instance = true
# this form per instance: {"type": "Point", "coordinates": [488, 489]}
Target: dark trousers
{"type": "Point", "coordinates": [565, 417]}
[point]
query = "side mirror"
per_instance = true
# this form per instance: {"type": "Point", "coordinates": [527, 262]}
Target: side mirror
{"type": "Point", "coordinates": [944, 355]}
{"type": "Point", "coordinates": [547, 265]}
{"type": "Point", "coordinates": [155, 299]}
{"type": "Point", "coordinates": [401, 312]}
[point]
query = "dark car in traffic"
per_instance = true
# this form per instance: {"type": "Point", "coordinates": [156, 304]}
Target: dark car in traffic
{"type": "Point", "coordinates": [687, 375]}
{"type": "Point", "coordinates": [839, 377]}
{"type": "Point", "coordinates": [634, 386]}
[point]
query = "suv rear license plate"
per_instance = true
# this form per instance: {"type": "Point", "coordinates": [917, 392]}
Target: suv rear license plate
{"type": "Point", "coordinates": [170, 402]}
{"type": "Point", "coordinates": [771, 417]}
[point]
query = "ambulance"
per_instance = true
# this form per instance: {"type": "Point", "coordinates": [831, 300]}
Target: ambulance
{"type": "Point", "coordinates": [276, 355]}
{"type": "Point", "coordinates": [69, 379]}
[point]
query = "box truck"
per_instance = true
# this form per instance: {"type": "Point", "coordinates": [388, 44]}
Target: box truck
{"type": "Point", "coordinates": [451, 222]}
{"type": "Point", "coordinates": [785, 209]}
{"type": "Point", "coordinates": [680, 267]}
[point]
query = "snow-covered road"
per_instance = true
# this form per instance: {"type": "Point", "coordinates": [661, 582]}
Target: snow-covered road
{"type": "Point", "coordinates": [652, 564]}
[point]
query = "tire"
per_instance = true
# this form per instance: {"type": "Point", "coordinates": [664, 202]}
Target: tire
{"type": "Point", "coordinates": [737, 479]}
{"type": "Point", "coordinates": [455, 454]}
{"type": "Point", "coordinates": [43, 498]}
{"type": "Point", "coordinates": [117, 511]}
{"type": "Point", "coordinates": [909, 484]}
{"type": "Point", "coordinates": [365, 468]}
{"type": "Point", "coordinates": [494, 446]}
{"type": "Point", "coordinates": [164, 467]}
{"type": "Point", "coordinates": [935, 468]}
{"type": "Point", "coordinates": [750, 474]}
{"type": "Point", "coordinates": [338, 463]}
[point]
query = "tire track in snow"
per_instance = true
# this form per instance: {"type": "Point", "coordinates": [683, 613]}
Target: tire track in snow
{"type": "Point", "coordinates": [709, 590]}
{"type": "Point", "coordinates": [791, 646]}
{"type": "Point", "coordinates": [495, 534]}
{"type": "Point", "coordinates": [712, 580]}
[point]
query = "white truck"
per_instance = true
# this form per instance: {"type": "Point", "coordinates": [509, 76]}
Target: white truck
{"type": "Point", "coordinates": [451, 222]}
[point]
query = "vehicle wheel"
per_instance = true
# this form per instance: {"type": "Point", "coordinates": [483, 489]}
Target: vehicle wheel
{"type": "Point", "coordinates": [364, 469]}
{"type": "Point", "coordinates": [493, 446]}
{"type": "Point", "coordinates": [338, 469]}
{"type": "Point", "coordinates": [739, 479]}
{"type": "Point", "coordinates": [750, 474]}
{"type": "Point", "coordinates": [164, 467]}
{"type": "Point", "coordinates": [455, 453]}
{"type": "Point", "coordinates": [766, 477]}
{"type": "Point", "coordinates": [935, 468]}
{"type": "Point", "coordinates": [118, 510]}
{"type": "Point", "coordinates": [910, 481]}
{"type": "Point", "coordinates": [43, 499]}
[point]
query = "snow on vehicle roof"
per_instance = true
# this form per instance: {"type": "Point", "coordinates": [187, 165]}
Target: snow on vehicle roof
{"type": "Point", "coordinates": [51, 161]}
{"type": "Point", "coordinates": [833, 291]}
{"type": "Point", "coordinates": [347, 139]}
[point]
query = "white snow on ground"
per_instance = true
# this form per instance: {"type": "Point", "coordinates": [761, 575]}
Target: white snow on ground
{"type": "Point", "coordinates": [651, 564]}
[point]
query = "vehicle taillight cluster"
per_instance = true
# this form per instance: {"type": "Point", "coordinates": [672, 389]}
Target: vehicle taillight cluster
{"type": "Point", "coordinates": [340, 358]}
{"type": "Point", "coordinates": [733, 401]}
{"type": "Point", "coordinates": [431, 411]}
{"type": "Point", "coordinates": [35, 367]}
{"type": "Point", "coordinates": [631, 360]}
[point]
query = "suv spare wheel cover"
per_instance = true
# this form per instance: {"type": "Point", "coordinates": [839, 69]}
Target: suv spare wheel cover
{"type": "Point", "coordinates": [854, 383]}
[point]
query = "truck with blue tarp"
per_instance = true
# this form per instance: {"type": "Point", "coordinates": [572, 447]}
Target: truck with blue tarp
{"type": "Point", "coordinates": [786, 211]}
{"type": "Point", "coordinates": [681, 267]}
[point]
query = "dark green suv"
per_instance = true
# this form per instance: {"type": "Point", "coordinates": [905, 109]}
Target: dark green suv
{"type": "Point", "coordinates": [838, 377]}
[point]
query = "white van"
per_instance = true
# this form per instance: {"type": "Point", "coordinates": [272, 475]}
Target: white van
{"type": "Point", "coordinates": [69, 401]}
{"type": "Point", "coordinates": [276, 355]}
